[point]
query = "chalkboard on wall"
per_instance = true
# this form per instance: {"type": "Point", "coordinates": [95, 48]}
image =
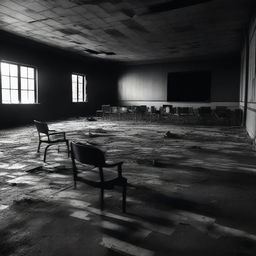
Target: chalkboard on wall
{"type": "Point", "coordinates": [192, 86]}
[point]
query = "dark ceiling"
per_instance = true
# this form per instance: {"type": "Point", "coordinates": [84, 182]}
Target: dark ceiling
{"type": "Point", "coordinates": [130, 30]}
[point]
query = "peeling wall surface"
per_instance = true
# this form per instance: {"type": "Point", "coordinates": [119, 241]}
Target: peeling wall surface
{"type": "Point", "coordinates": [251, 75]}
{"type": "Point", "coordinates": [147, 84]}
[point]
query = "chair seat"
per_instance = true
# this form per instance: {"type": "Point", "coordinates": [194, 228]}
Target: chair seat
{"type": "Point", "coordinates": [94, 175]}
{"type": "Point", "coordinates": [54, 141]}
{"type": "Point", "coordinates": [109, 164]}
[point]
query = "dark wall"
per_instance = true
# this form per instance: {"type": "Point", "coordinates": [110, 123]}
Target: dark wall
{"type": "Point", "coordinates": [54, 82]}
{"type": "Point", "coordinates": [147, 84]}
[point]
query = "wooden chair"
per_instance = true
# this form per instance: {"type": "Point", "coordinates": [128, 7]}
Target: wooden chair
{"type": "Point", "coordinates": [106, 111]}
{"type": "Point", "coordinates": [50, 137]}
{"type": "Point", "coordinates": [90, 155]}
{"type": "Point", "coordinates": [140, 112]}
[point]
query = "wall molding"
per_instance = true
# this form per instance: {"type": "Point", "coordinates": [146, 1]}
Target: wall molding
{"type": "Point", "coordinates": [157, 104]}
{"type": "Point", "coordinates": [187, 102]}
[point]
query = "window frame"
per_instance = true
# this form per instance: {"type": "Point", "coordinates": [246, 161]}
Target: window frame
{"type": "Point", "coordinates": [19, 65]}
{"type": "Point", "coordinates": [84, 93]}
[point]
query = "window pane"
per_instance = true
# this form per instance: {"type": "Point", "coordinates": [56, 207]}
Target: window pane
{"type": "Point", "coordinates": [5, 82]}
{"type": "Point", "coordinates": [74, 78]}
{"type": "Point", "coordinates": [13, 70]}
{"type": "Point", "coordinates": [14, 83]}
{"type": "Point", "coordinates": [14, 96]}
{"type": "Point", "coordinates": [74, 91]}
{"type": "Point", "coordinates": [31, 73]}
{"type": "Point", "coordinates": [80, 93]}
{"type": "Point", "coordinates": [23, 71]}
{"type": "Point", "coordinates": [31, 97]}
{"type": "Point", "coordinates": [24, 83]}
{"type": "Point", "coordinates": [80, 79]}
{"type": "Point", "coordinates": [6, 96]}
{"type": "Point", "coordinates": [24, 97]}
{"type": "Point", "coordinates": [78, 88]}
{"type": "Point", "coordinates": [31, 84]}
{"type": "Point", "coordinates": [5, 69]}
{"type": "Point", "coordinates": [10, 83]}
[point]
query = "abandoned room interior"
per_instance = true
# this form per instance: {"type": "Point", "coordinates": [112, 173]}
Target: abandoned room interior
{"type": "Point", "coordinates": [127, 127]}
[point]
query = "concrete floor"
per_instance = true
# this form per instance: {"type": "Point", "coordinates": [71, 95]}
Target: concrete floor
{"type": "Point", "coordinates": [193, 194]}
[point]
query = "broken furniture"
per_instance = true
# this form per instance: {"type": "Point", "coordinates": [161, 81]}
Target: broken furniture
{"type": "Point", "coordinates": [141, 112]}
{"type": "Point", "coordinates": [173, 114]}
{"type": "Point", "coordinates": [205, 115]}
{"type": "Point", "coordinates": [166, 112]}
{"type": "Point", "coordinates": [104, 112]}
{"type": "Point", "coordinates": [50, 137]}
{"type": "Point", "coordinates": [223, 114]}
{"type": "Point", "coordinates": [115, 112]}
{"type": "Point", "coordinates": [154, 114]}
{"type": "Point", "coordinates": [89, 155]}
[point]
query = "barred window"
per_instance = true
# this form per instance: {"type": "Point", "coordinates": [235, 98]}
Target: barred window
{"type": "Point", "coordinates": [18, 84]}
{"type": "Point", "coordinates": [79, 88]}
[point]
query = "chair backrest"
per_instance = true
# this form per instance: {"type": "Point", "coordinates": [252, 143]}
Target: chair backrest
{"type": "Point", "coordinates": [114, 109]}
{"type": "Point", "coordinates": [167, 109]}
{"type": "Point", "coordinates": [153, 109]}
{"type": "Point", "coordinates": [204, 110]}
{"type": "Point", "coordinates": [221, 108]}
{"type": "Point", "coordinates": [183, 110]}
{"type": "Point", "coordinates": [131, 109]}
{"type": "Point", "coordinates": [106, 108]}
{"type": "Point", "coordinates": [175, 110]}
{"type": "Point", "coordinates": [141, 109]}
{"type": "Point", "coordinates": [123, 109]}
{"type": "Point", "coordinates": [87, 154]}
{"type": "Point", "coordinates": [41, 127]}
{"type": "Point", "coordinates": [191, 110]}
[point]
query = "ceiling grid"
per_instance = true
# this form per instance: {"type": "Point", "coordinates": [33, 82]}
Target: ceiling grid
{"type": "Point", "coordinates": [129, 30]}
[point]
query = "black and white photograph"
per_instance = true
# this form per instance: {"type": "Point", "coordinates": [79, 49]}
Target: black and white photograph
{"type": "Point", "coordinates": [127, 127]}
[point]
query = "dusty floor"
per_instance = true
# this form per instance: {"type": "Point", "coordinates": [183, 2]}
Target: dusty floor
{"type": "Point", "coordinates": [193, 194]}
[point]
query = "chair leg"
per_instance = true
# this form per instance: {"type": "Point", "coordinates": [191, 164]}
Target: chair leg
{"type": "Point", "coordinates": [74, 176]}
{"type": "Point", "coordinates": [45, 151]}
{"type": "Point", "coordinates": [39, 144]}
{"type": "Point", "coordinates": [124, 197]}
{"type": "Point", "coordinates": [102, 199]}
{"type": "Point", "coordinates": [74, 183]}
{"type": "Point", "coordinates": [67, 147]}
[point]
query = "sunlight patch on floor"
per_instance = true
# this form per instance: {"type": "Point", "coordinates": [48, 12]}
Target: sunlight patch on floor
{"type": "Point", "coordinates": [124, 247]}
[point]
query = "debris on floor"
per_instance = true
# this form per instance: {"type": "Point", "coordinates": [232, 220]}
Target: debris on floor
{"type": "Point", "coordinates": [91, 119]}
{"type": "Point", "coordinates": [170, 135]}
{"type": "Point", "coordinates": [192, 194]}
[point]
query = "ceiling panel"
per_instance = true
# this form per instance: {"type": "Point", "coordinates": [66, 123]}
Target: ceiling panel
{"type": "Point", "coordinates": [130, 30]}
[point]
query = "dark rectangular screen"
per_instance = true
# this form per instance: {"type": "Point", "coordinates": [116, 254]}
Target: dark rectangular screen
{"type": "Point", "coordinates": [189, 86]}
